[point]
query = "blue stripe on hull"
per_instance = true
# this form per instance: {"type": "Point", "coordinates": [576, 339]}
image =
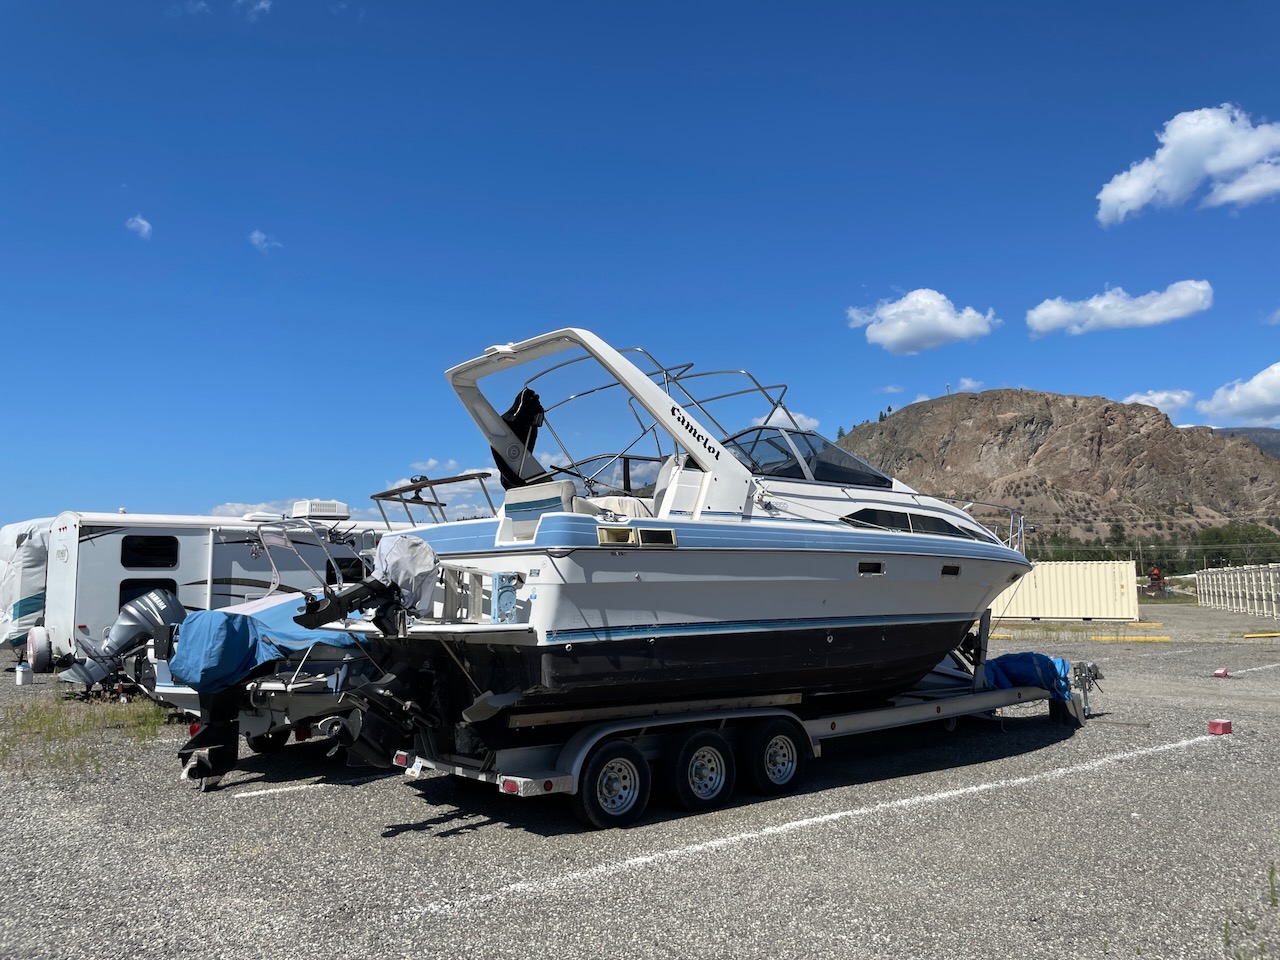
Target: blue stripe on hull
{"type": "Point", "coordinates": [719, 627]}
{"type": "Point", "coordinates": [563, 530]}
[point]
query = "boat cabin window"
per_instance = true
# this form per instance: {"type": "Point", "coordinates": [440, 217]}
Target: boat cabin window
{"type": "Point", "coordinates": [912, 522]}
{"type": "Point", "coordinates": [884, 519]}
{"type": "Point", "coordinates": [801, 455]}
{"type": "Point", "coordinates": [148, 552]}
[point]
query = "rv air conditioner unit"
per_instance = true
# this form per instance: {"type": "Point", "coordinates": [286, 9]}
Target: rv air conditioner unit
{"type": "Point", "coordinates": [321, 510]}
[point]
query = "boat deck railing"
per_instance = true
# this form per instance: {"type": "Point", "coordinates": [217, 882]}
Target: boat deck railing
{"type": "Point", "coordinates": [1006, 523]}
{"type": "Point", "coordinates": [422, 492]}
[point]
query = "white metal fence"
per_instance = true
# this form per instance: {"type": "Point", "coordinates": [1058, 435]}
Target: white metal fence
{"type": "Point", "coordinates": [1253, 589]}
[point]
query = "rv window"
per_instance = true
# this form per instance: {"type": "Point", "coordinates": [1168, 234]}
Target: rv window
{"type": "Point", "coordinates": [150, 553]}
{"type": "Point", "coordinates": [131, 590]}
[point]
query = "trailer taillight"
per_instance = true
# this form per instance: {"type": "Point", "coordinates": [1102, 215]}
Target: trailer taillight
{"type": "Point", "coordinates": [193, 729]}
{"type": "Point", "coordinates": [401, 758]}
{"type": "Point", "coordinates": [510, 786]}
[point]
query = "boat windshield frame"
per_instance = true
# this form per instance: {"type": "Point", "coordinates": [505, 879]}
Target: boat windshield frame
{"type": "Point", "coordinates": [627, 467]}
{"type": "Point", "coordinates": [824, 461]}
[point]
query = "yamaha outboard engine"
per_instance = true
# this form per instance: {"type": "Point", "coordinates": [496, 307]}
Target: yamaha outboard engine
{"type": "Point", "coordinates": [147, 618]}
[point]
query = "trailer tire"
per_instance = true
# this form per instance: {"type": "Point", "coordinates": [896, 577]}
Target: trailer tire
{"type": "Point", "coordinates": [774, 753]}
{"type": "Point", "coordinates": [613, 790]}
{"type": "Point", "coordinates": [39, 650]}
{"type": "Point", "coordinates": [704, 771]}
{"type": "Point", "coordinates": [267, 742]}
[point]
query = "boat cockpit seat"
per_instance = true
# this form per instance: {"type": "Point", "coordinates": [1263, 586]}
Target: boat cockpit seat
{"type": "Point", "coordinates": [524, 506]}
{"type": "Point", "coordinates": [622, 506]}
{"type": "Point", "coordinates": [660, 485]}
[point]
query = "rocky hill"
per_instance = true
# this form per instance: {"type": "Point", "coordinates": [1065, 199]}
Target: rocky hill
{"type": "Point", "coordinates": [1075, 465]}
{"type": "Point", "coordinates": [1266, 439]}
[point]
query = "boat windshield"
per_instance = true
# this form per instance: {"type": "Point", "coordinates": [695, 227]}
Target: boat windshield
{"type": "Point", "coordinates": [802, 455]}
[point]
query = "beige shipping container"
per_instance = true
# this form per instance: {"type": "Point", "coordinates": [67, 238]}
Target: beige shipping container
{"type": "Point", "coordinates": [1072, 590]}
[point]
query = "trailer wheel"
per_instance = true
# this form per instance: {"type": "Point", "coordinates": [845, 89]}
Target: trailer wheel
{"type": "Point", "coordinates": [703, 772]}
{"type": "Point", "coordinates": [267, 742]}
{"type": "Point", "coordinates": [774, 755]}
{"type": "Point", "coordinates": [615, 784]}
{"type": "Point", "coordinates": [39, 650]}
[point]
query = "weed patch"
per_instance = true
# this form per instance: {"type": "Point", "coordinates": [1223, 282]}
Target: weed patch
{"type": "Point", "coordinates": [51, 732]}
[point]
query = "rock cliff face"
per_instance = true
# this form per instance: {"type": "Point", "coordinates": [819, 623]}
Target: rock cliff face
{"type": "Point", "coordinates": [1266, 439]}
{"type": "Point", "coordinates": [1072, 463]}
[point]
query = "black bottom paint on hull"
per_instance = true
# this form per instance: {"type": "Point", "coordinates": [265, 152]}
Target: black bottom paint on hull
{"type": "Point", "coordinates": [864, 665]}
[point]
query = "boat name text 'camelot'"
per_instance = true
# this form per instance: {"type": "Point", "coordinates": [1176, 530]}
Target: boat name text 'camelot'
{"type": "Point", "coordinates": [694, 432]}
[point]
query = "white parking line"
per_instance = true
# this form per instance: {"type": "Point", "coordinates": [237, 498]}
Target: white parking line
{"type": "Point", "coordinates": [263, 793]}
{"type": "Point", "coordinates": [1269, 666]}
{"type": "Point", "coordinates": [305, 786]}
{"type": "Point", "coordinates": [543, 885]}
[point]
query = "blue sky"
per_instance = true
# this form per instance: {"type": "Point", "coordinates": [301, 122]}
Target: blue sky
{"type": "Point", "coordinates": [242, 239]}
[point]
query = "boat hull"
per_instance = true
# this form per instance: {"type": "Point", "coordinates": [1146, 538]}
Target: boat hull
{"type": "Point", "coordinates": [872, 660]}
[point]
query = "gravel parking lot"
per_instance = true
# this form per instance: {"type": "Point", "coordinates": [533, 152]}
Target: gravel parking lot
{"type": "Point", "coordinates": [1139, 835]}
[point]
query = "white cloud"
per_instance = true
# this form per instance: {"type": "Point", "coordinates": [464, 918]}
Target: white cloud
{"type": "Point", "coordinates": [1168, 401]}
{"type": "Point", "coordinates": [192, 8]}
{"type": "Point", "coordinates": [891, 388]}
{"type": "Point", "coordinates": [921, 320]}
{"type": "Point", "coordinates": [969, 385]}
{"type": "Point", "coordinates": [1256, 401]}
{"type": "Point", "coordinates": [1274, 318]}
{"type": "Point", "coordinates": [780, 419]}
{"type": "Point", "coordinates": [254, 8]}
{"type": "Point", "coordinates": [139, 226]}
{"type": "Point", "coordinates": [920, 397]}
{"type": "Point", "coordinates": [261, 242]}
{"type": "Point", "coordinates": [1219, 144]}
{"type": "Point", "coordinates": [431, 463]}
{"type": "Point", "coordinates": [1115, 309]}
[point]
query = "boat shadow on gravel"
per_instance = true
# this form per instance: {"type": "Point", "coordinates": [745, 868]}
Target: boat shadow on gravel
{"type": "Point", "coordinates": [463, 807]}
{"type": "Point", "coordinates": [297, 763]}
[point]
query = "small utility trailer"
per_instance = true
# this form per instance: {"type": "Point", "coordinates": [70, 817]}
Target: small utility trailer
{"type": "Point", "coordinates": [703, 747]}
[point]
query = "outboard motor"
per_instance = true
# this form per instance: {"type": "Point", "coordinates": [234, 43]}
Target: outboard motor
{"type": "Point", "coordinates": [405, 571]}
{"type": "Point", "coordinates": [212, 753]}
{"type": "Point", "coordinates": [387, 716]}
{"type": "Point", "coordinates": [147, 618]}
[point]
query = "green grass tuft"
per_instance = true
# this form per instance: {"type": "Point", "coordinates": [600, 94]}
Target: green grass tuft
{"type": "Point", "coordinates": [50, 732]}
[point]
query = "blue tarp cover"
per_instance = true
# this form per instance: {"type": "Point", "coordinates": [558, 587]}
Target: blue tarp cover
{"type": "Point", "coordinates": [1031, 670]}
{"type": "Point", "coordinates": [217, 648]}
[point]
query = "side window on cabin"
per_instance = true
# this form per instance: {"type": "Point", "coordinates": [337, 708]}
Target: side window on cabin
{"type": "Point", "coordinates": [147, 552]}
{"type": "Point", "coordinates": [871, 517]}
{"type": "Point", "coordinates": [131, 590]}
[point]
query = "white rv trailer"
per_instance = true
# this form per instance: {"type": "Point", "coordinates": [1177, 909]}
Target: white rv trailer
{"type": "Point", "coordinates": [24, 549]}
{"type": "Point", "coordinates": [98, 562]}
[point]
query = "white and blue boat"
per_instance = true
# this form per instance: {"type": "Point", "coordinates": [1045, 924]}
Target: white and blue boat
{"type": "Point", "coordinates": [665, 534]}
